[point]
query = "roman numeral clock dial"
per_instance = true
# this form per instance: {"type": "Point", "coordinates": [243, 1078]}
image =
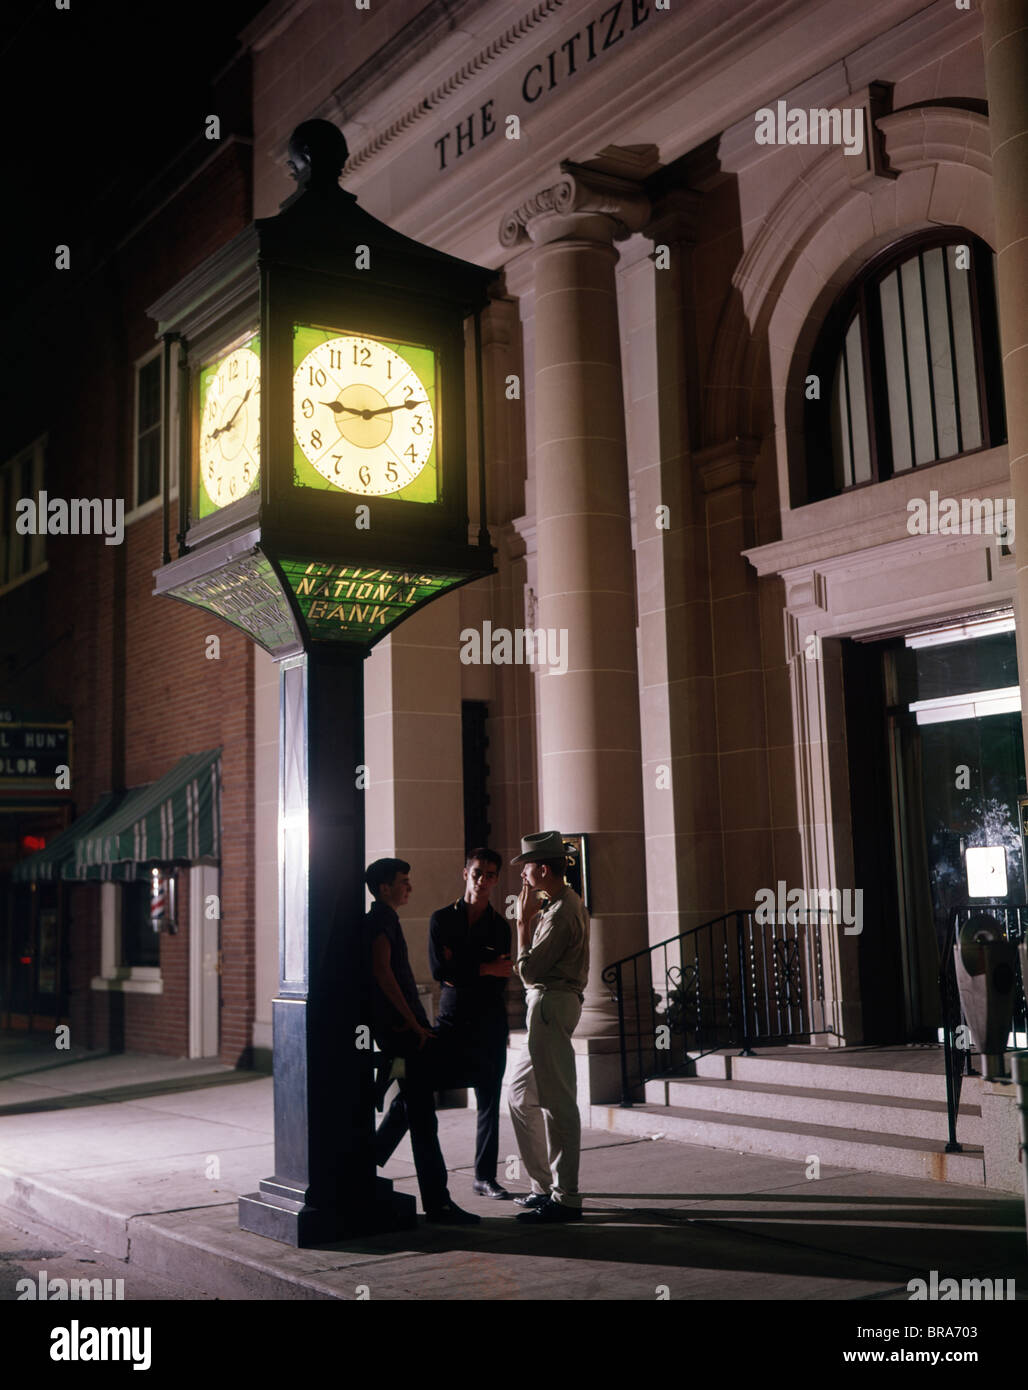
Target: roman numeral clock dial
{"type": "Point", "coordinates": [363, 416]}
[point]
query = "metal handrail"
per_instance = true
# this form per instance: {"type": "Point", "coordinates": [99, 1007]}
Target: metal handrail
{"type": "Point", "coordinates": [744, 978]}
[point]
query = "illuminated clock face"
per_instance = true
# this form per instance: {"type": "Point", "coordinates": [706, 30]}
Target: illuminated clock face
{"type": "Point", "coordinates": [362, 415]}
{"type": "Point", "coordinates": [230, 427]}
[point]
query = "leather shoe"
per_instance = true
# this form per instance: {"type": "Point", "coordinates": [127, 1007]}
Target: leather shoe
{"type": "Point", "coordinates": [486, 1187]}
{"type": "Point", "coordinates": [551, 1211]}
{"type": "Point", "coordinates": [452, 1215]}
{"type": "Point", "coordinates": [532, 1199]}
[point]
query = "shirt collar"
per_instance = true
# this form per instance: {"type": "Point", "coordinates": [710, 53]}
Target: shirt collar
{"type": "Point", "coordinates": [381, 909]}
{"type": "Point", "coordinates": [462, 907]}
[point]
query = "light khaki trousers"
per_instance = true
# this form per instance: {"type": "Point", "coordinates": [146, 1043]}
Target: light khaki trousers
{"type": "Point", "coordinates": [543, 1096]}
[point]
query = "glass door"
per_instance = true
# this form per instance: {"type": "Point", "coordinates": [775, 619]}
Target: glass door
{"type": "Point", "coordinates": [957, 770]}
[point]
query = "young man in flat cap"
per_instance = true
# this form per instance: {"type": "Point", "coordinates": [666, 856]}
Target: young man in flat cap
{"type": "Point", "coordinates": [553, 964]}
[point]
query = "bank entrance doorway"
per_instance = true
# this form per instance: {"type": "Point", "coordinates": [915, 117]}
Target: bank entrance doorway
{"type": "Point", "coordinates": [937, 817]}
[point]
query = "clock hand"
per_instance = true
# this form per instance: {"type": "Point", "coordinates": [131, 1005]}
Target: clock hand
{"type": "Point", "coordinates": [228, 423]}
{"type": "Point", "coordinates": [337, 406]}
{"type": "Point", "coordinates": [404, 405]}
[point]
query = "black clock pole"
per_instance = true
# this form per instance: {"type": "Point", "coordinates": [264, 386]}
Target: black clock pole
{"type": "Point", "coordinates": [325, 1185]}
{"type": "Point", "coordinates": [275, 562]}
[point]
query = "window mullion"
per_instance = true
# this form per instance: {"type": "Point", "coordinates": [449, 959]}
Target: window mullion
{"type": "Point", "coordinates": [906, 366]}
{"type": "Point", "coordinates": [871, 382]}
{"type": "Point", "coordinates": [953, 351]}
{"type": "Point", "coordinates": [849, 410]}
{"type": "Point", "coordinates": [927, 330]}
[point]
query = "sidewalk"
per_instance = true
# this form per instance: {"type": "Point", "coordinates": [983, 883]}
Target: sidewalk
{"type": "Point", "coordinates": [145, 1156]}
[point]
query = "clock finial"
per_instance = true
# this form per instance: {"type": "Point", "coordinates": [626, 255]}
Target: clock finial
{"type": "Point", "coordinates": [317, 153]}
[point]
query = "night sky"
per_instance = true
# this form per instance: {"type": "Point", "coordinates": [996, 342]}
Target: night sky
{"type": "Point", "coordinates": [95, 99]}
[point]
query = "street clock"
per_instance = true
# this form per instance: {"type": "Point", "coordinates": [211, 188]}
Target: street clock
{"type": "Point", "coordinates": [323, 478]}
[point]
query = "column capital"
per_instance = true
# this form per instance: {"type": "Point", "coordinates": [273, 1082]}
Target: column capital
{"type": "Point", "coordinates": [582, 203]}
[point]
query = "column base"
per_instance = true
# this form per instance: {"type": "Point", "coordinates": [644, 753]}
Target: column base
{"type": "Point", "coordinates": [276, 1216]}
{"type": "Point", "coordinates": [597, 1068]}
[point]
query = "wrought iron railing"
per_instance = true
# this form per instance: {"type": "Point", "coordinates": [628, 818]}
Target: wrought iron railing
{"type": "Point", "coordinates": [749, 977]}
{"type": "Point", "coordinates": [1014, 920]}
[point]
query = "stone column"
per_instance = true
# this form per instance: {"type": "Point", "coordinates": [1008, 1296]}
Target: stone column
{"type": "Point", "coordinates": [1005, 47]}
{"type": "Point", "coordinates": [589, 746]}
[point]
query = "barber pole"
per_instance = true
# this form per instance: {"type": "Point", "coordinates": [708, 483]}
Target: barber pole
{"type": "Point", "coordinates": [158, 900]}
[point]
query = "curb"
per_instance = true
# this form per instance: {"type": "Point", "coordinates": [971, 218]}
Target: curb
{"type": "Point", "coordinates": [168, 1244]}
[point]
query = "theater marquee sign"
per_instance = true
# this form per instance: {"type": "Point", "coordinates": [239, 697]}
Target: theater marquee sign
{"type": "Point", "coordinates": [31, 754]}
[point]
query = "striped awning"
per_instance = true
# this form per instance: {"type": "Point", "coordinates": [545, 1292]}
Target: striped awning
{"type": "Point", "coordinates": [48, 863]}
{"type": "Point", "coordinates": [177, 817]}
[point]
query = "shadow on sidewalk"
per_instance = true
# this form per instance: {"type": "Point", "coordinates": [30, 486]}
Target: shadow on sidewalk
{"type": "Point", "coordinates": [139, 1091]}
{"type": "Point", "coordinates": [649, 1238]}
{"type": "Point", "coordinates": [56, 1066]}
{"type": "Point", "coordinates": [1002, 1210]}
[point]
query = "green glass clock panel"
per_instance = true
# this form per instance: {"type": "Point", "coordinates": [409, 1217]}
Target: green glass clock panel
{"type": "Point", "coordinates": [365, 415]}
{"type": "Point", "coordinates": [229, 410]}
{"type": "Point", "coordinates": [355, 603]}
{"type": "Point", "coordinates": [247, 594]}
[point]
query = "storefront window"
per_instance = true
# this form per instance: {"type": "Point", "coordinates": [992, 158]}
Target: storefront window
{"type": "Point", "coordinates": [140, 944]}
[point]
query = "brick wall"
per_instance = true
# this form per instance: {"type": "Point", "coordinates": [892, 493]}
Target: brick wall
{"type": "Point", "coordinates": [131, 669]}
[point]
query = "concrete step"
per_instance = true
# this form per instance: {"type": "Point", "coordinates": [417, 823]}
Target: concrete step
{"type": "Point", "coordinates": [833, 1145]}
{"type": "Point", "coordinates": [922, 1078]}
{"type": "Point", "coordinates": [807, 1105]}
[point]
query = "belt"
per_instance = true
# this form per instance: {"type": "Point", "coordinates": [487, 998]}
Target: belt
{"type": "Point", "coordinates": [557, 989]}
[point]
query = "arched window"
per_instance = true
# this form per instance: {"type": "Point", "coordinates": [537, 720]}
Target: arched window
{"type": "Point", "coordinates": [908, 364]}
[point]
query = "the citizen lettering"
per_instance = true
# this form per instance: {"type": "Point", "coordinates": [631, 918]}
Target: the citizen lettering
{"type": "Point", "coordinates": [465, 132]}
{"type": "Point", "coordinates": [536, 67]}
{"type": "Point", "coordinates": [564, 60]}
{"type": "Point", "coordinates": [614, 11]}
{"type": "Point", "coordinates": [469, 136]}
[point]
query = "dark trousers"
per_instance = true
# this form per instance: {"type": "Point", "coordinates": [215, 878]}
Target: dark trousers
{"type": "Point", "coordinates": [492, 1056]}
{"type": "Point", "coordinates": [437, 1066]}
{"type": "Point", "coordinates": [474, 1055]}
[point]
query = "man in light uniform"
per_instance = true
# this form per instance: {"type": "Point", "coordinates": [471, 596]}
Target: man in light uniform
{"type": "Point", "coordinates": [553, 964]}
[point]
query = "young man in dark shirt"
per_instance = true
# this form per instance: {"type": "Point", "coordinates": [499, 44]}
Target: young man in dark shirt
{"type": "Point", "coordinates": [402, 1029]}
{"type": "Point", "coordinates": [469, 951]}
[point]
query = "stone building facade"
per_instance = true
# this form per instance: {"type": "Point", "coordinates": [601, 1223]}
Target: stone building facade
{"type": "Point", "coordinates": [702, 459]}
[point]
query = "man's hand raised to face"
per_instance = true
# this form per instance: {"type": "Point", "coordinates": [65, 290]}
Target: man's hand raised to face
{"type": "Point", "coordinates": [524, 909]}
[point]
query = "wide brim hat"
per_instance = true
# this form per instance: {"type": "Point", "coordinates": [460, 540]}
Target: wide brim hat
{"type": "Point", "coordinates": [546, 844]}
